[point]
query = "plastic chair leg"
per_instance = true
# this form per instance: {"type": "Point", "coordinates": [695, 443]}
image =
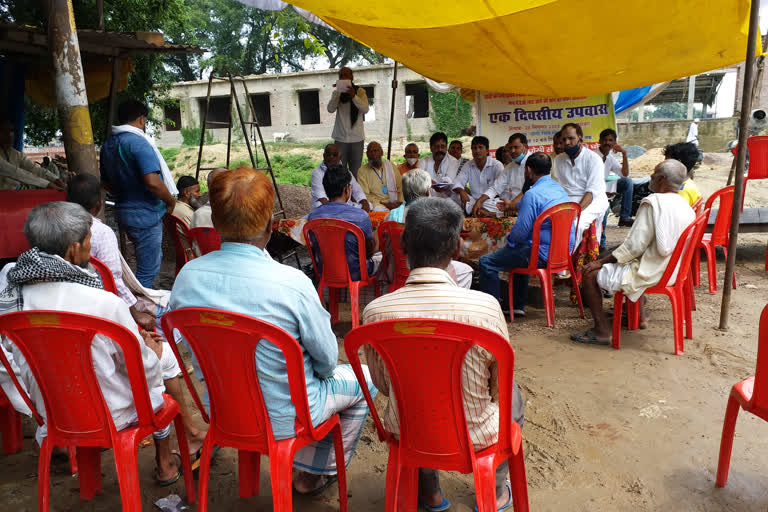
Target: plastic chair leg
{"type": "Point", "coordinates": [618, 304]}
{"type": "Point", "coordinates": [10, 427]}
{"type": "Point", "coordinates": [341, 469]}
{"type": "Point", "coordinates": [393, 474]}
{"type": "Point", "coordinates": [248, 467]}
{"type": "Point", "coordinates": [485, 484]}
{"type": "Point", "coordinates": [711, 267]}
{"type": "Point", "coordinates": [280, 467]}
{"type": "Point", "coordinates": [205, 473]}
{"type": "Point", "coordinates": [126, 462]}
{"type": "Point", "coordinates": [44, 476]}
{"type": "Point", "coordinates": [687, 309]}
{"type": "Point", "coordinates": [333, 304]}
{"type": "Point", "coordinates": [518, 481]}
{"type": "Point", "coordinates": [72, 452]}
{"type": "Point", "coordinates": [549, 299]}
{"type": "Point", "coordinates": [577, 290]}
{"type": "Point", "coordinates": [89, 471]}
{"type": "Point", "coordinates": [354, 302]}
{"type": "Point", "coordinates": [696, 267]}
{"type": "Point", "coordinates": [677, 321]}
{"type": "Point", "coordinates": [408, 489]}
{"type": "Point", "coordinates": [726, 441]}
{"type": "Point", "coordinates": [186, 464]}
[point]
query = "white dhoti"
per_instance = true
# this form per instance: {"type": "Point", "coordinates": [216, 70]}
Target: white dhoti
{"type": "Point", "coordinates": [594, 212]}
{"type": "Point", "coordinates": [611, 275]}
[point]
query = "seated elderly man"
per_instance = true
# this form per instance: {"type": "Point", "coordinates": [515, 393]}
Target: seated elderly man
{"type": "Point", "coordinates": [480, 174]}
{"type": "Point", "coordinates": [418, 184]}
{"type": "Point", "coordinates": [582, 174]}
{"type": "Point", "coordinates": [188, 199]}
{"type": "Point", "coordinates": [641, 260]}
{"type": "Point", "coordinates": [411, 159]}
{"type": "Point", "coordinates": [85, 190]}
{"type": "Point", "coordinates": [688, 154]}
{"type": "Point", "coordinates": [55, 275]}
{"type": "Point", "coordinates": [430, 240]}
{"type": "Point", "coordinates": [331, 157]}
{"type": "Point", "coordinates": [338, 188]}
{"type": "Point", "coordinates": [544, 193]}
{"type": "Point", "coordinates": [379, 181]}
{"type": "Point", "coordinates": [18, 171]}
{"type": "Point", "coordinates": [241, 278]}
{"type": "Point", "coordinates": [202, 216]}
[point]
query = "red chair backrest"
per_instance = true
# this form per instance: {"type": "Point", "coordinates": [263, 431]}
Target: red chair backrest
{"type": "Point", "coordinates": [682, 256]}
{"type": "Point", "coordinates": [330, 235]}
{"type": "Point", "coordinates": [107, 279]}
{"type": "Point", "coordinates": [758, 157]}
{"type": "Point", "coordinates": [561, 217]}
{"type": "Point", "coordinates": [207, 239]}
{"type": "Point", "coordinates": [391, 232]}
{"type": "Point", "coordinates": [15, 205]}
{"type": "Point", "coordinates": [424, 359]}
{"type": "Point", "coordinates": [720, 231]}
{"type": "Point", "coordinates": [224, 344]}
{"type": "Point", "coordinates": [57, 348]}
{"type": "Point", "coordinates": [175, 227]}
{"type": "Point", "coordinates": [697, 206]}
{"type": "Point", "coordinates": [760, 392]}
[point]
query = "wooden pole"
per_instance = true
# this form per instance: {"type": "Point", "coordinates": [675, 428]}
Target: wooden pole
{"type": "Point", "coordinates": [746, 108]}
{"type": "Point", "coordinates": [392, 111]}
{"type": "Point", "coordinates": [113, 86]}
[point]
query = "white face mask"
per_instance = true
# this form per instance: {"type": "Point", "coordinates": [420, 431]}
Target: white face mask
{"type": "Point", "coordinates": [411, 161]}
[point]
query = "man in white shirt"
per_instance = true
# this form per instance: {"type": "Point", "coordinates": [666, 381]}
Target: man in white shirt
{"type": "Point", "coordinates": [617, 180]}
{"type": "Point", "coordinates": [582, 174]}
{"type": "Point", "coordinates": [350, 106]}
{"type": "Point", "coordinates": [456, 149]}
{"type": "Point", "coordinates": [693, 132]}
{"type": "Point", "coordinates": [331, 156]}
{"type": "Point", "coordinates": [441, 166]}
{"type": "Point", "coordinates": [55, 275]}
{"type": "Point", "coordinates": [18, 171]}
{"type": "Point", "coordinates": [480, 173]}
{"type": "Point", "coordinates": [509, 183]}
{"type": "Point", "coordinates": [202, 216]}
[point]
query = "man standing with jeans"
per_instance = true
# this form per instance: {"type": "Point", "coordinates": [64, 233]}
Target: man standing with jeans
{"type": "Point", "coordinates": [617, 180]}
{"type": "Point", "coordinates": [544, 193]}
{"type": "Point", "coordinates": [131, 169]}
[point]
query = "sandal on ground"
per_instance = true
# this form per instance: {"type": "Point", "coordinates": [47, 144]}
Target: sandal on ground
{"type": "Point", "coordinates": [509, 501]}
{"type": "Point", "coordinates": [173, 479]}
{"type": "Point", "coordinates": [589, 338]}
{"type": "Point", "coordinates": [197, 457]}
{"type": "Point", "coordinates": [445, 505]}
{"type": "Point", "coordinates": [325, 484]}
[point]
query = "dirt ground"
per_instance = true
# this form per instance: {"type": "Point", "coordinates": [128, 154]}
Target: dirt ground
{"type": "Point", "coordinates": [605, 430]}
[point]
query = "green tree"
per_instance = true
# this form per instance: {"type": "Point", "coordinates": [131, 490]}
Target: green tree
{"type": "Point", "coordinates": [450, 112]}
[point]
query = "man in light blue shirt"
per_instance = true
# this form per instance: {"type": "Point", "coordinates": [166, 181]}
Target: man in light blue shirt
{"type": "Point", "coordinates": [544, 193]}
{"type": "Point", "coordinates": [242, 278]}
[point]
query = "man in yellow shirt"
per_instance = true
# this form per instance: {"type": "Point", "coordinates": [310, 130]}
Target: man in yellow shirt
{"type": "Point", "coordinates": [382, 185]}
{"type": "Point", "coordinates": [688, 154]}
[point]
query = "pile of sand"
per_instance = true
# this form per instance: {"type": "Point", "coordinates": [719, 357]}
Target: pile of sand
{"type": "Point", "coordinates": [645, 163]}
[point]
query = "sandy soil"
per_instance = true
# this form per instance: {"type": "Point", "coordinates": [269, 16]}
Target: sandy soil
{"type": "Point", "coordinates": [605, 430]}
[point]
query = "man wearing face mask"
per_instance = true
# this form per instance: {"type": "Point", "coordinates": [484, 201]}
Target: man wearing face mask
{"type": "Point", "coordinates": [582, 174]}
{"type": "Point", "coordinates": [441, 166]}
{"type": "Point", "coordinates": [350, 105]}
{"type": "Point", "coordinates": [509, 183]}
{"type": "Point", "coordinates": [641, 260]}
{"type": "Point", "coordinates": [411, 159]}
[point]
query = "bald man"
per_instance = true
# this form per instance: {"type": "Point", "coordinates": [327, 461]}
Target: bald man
{"type": "Point", "coordinates": [641, 260]}
{"type": "Point", "coordinates": [331, 157]}
{"type": "Point", "coordinates": [382, 185]}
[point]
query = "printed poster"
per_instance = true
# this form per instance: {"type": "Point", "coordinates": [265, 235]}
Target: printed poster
{"type": "Point", "coordinates": [539, 119]}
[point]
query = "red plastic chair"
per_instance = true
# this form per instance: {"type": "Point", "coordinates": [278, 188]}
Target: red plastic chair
{"type": "Point", "coordinates": [330, 235]}
{"type": "Point", "coordinates": [679, 294]}
{"type": "Point", "coordinates": [224, 344]}
{"type": "Point", "coordinates": [757, 169]}
{"type": "Point", "coordinates": [751, 394]}
{"type": "Point", "coordinates": [430, 407]}
{"type": "Point", "coordinates": [76, 414]}
{"type": "Point", "coordinates": [206, 239]}
{"type": "Point", "coordinates": [561, 217]}
{"type": "Point", "coordinates": [107, 279]}
{"type": "Point", "coordinates": [177, 229]}
{"type": "Point", "coordinates": [15, 205]}
{"type": "Point", "coordinates": [390, 233]}
{"type": "Point", "coordinates": [10, 426]}
{"type": "Point", "coordinates": [719, 237]}
{"type": "Point", "coordinates": [697, 206]}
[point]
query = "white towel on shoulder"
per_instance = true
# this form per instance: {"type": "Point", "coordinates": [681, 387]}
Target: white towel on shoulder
{"type": "Point", "coordinates": [671, 215]}
{"type": "Point", "coordinates": [164, 171]}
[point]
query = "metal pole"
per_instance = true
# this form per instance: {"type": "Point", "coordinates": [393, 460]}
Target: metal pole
{"type": "Point", "coordinates": [69, 83]}
{"type": "Point", "coordinates": [746, 107]}
{"type": "Point", "coordinates": [100, 11]}
{"type": "Point", "coordinates": [392, 111]}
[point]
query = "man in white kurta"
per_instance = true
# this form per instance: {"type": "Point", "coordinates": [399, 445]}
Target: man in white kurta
{"type": "Point", "coordinates": [480, 174]}
{"type": "Point", "coordinates": [441, 166]}
{"type": "Point", "coordinates": [642, 259]}
{"type": "Point", "coordinates": [509, 183]}
{"type": "Point", "coordinates": [331, 157]}
{"type": "Point", "coordinates": [582, 174]}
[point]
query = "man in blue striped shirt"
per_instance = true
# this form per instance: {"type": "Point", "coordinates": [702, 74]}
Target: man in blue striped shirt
{"type": "Point", "coordinates": [544, 193]}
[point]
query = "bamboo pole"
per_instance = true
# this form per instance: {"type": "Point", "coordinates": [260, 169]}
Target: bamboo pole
{"type": "Point", "coordinates": [392, 111]}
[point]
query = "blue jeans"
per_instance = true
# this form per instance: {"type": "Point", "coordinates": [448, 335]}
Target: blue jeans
{"type": "Point", "coordinates": [149, 251]}
{"type": "Point", "coordinates": [624, 188]}
{"type": "Point", "coordinates": [505, 259]}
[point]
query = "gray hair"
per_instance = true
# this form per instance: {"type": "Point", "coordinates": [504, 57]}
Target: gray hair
{"type": "Point", "coordinates": [416, 184]}
{"type": "Point", "coordinates": [53, 227]}
{"type": "Point", "coordinates": [431, 234]}
{"type": "Point", "coordinates": [674, 172]}
{"type": "Point", "coordinates": [213, 174]}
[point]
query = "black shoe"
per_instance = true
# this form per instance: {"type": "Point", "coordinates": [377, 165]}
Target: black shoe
{"type": "Point", "coordinates": [626, 223]}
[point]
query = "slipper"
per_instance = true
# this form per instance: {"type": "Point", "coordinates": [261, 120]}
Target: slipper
{"type": "Point", "coordinates": [589, 338]}
{"type": "Point", "coordinates": [173, 479]}
{"type": "Point", "coordinates": [329, 481]}
{"type": "Point", "coordinates": [197, 457]}
{"type": "Point", "coordinates": [509, 501]}
{"type": "Point", "coordinates": [445, 505]}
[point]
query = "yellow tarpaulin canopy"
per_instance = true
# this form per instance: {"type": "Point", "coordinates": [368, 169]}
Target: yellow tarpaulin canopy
{"type": "Point", "coordinates": [547, 47]}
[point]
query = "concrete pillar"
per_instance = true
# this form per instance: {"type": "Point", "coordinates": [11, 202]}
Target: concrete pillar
{"type": "Point", "coordinates": [691, 94]}
{"type": "Point", "coordinates": [640, 112]}
{"type": "Point", "coordinates": [69, 83]}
